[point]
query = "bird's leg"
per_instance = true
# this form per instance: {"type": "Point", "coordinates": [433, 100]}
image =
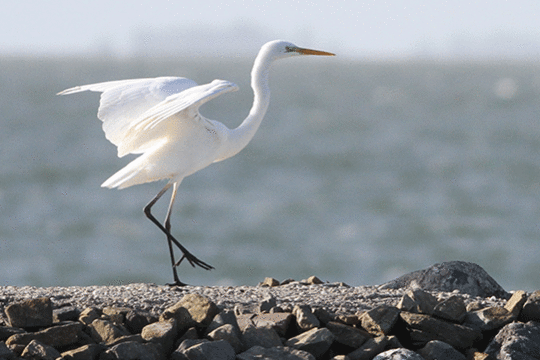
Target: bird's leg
{"type": "Point", "coordinates": [169, 241]}
{"type": "Point", "coordinates": [186, 254]}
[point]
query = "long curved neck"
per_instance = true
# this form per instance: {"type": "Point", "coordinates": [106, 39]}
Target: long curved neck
{"type": "Point", "coordinates": [242, 135]}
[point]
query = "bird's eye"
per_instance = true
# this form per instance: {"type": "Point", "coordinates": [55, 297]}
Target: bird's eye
{"type": "Point", "coordinates": [289, 49]}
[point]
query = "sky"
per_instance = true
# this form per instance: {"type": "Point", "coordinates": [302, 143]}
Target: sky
{"type": "Point", "coordinates": [349, 27]}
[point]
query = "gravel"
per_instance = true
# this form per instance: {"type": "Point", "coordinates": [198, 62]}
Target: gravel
{"type": "Point", "coordinates": [335, 297]}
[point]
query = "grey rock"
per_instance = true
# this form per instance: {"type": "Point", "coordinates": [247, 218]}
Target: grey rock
{"type": "Point", "coordinates": [133, 351]}
{"type": "Point", "coordinates": [30, 313]}
{"type": "Point", "coordinates": [398, 354]}
{"type": "Point", "coordinates": [424, 328]}
{"type": "Point", "coordinates": [305, 319]}
{"type": "Point", "coordinates": [56, 336]}
{"type": "Point", "coordinates": [105, 331]}
{"type": "Point", "coordinates": [516, 341]}
{"type": "Point", "coordinates": [315, 341]}
{"type": "Point", "coordinates": [370, 348]}
{"type": "Point", "coordinates": [531, 308]}
{"type": "Point", "coordinates": [267, 303]}
{"type": "Point", "coordinates": [88, 315]}
{"type": "Point", "coordinates": [5, 352]}
{"type": "Point", "coordinates": [38, 351]}
{"type": "Point", "coordinates": [115, 313]}
{"type": "Point", "coordinates": [490, 318]}
{"type": "Point", "coordinates": [224, 317]}
{"type": "Point", "coordinates": [212, 350]}
{"type": "Point", "coordinates": [275, 353]}
{"type": "Point", "coordinates": [418, 301]}
{"type": "Point", "coordinates": [85, 352]}
{"type": "Point", "coordinates": [136, 320]}
{"type": "Point", "coordinates": [228, 333]}
{"type": "Point", "coordinates": [380, 320]}
{"type": "Point", "coordinates": [200, 309]}
{"type": "Point", "coordinates": [7, 331]}
{"type": "Point", "coordinates": [277, 321]}
{"type": "Point", "coordinates": [452, 309]}
{"type": "Point", "coordinates": [466, 277]}
{"type": "Point", "coordinates": [265, 337]}
{"type": "Point", "coordinates": [438, 350]}
{"type": "Point", "coordinates": [66, 313]}
{"type": "Point", "coordinates": [348, 335]}
{"type": "Point", "coordinates": [187, 343]}
{"type": "Point", "coordinates": [161, 332]}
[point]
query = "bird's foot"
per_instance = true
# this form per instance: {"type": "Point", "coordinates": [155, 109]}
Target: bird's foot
{"type": "Point", "coordinates": [176, 283]}
{"type": "Point", "coordinates": [194, 261]}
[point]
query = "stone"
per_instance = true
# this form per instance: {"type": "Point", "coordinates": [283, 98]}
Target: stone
{"type": "Point", "coordinates": [514, 305]}
{"type": "Point", "coordinates": [211, 350]}
{"type": "Point", "coordinates": [275, 353]}
{"type": "Point", "coordinates": [452, 309]}
{"type": "Point", "coordinates": [418, 301]}
{"type": "Point", "coordinates": [5, 352]}
{"type": "Point", "coordinates": [516, 341]}
{"type": "Point", "coordinates": [30, 313]}
{"type": "Point", "coordinates": [105, 331]}
{"type": "Point", "coordinates": [265, 337]}
{"type": "Point", "coordinates": [161, 332]}
{"type": "Point", "coordinates": [200, 309]}
{"type": "Point", "coordinates": [370, 348]}
{"type": "Point", "coordinates": [345, 319]}
{"type": "Point", "coordinates": [313, 280]}
{"type": "Point", "coordinates": [429, 328]}
{"type": "Point", "coordinates": [66, 313]}
{"type": "Point", "coordinates": [268, 303]}
{"type": "Point", "coordinates": [228, 333]}
{"type": "Point", "coordinates": [438, 350]}
{"type": "Point", "coordinates": [380, 320]}
{"type": "Point", "coordinates": [85, 352]}
{"type": "Point", "coordinates": [186, 344]}
{"type": "Point", "coordinates": [56, 336]}
{"type": "Point", "coordinates": [324, 316]}
{"type": "Point", "coordinates": [531, 308]}
{"type": "Point", "coordinates": [398, 354]}
{"type": "Point", "coordinates": [277, 321]}
{"type": "Point", "coordinates": [224, 317]}
{"type": "Point", "coordinates": [305, 318]}
{"type": "Point", "coordinates": [37, 350]}
{"type": "Point", "coordinates": [340, 357]}
{"type": "Point", "coordinates": [7, 331]}
{"type": "Point", "coordinates": [348, 335]}
{"type": "Point", "coordinates": [88, 315]}
{"type": "Point", "coordinates": [467, 278]}
{"type": "Point", "coordinates": [481, 356]}
{"type": "Point", "coordinates": [133, 350]}
{"type": "Point", "coordinates": [116, 314]}
{"type": "Point", "coordinates": [315, 341]}
{"type": "Point", "coordinates": [490, 318]}
{"type": "Point", "coordinates": [136, 320]}
{"type": "Point", "coordinates": [268, 281]}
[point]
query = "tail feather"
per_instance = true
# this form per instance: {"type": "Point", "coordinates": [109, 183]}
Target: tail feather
{"type": "Point", "coordinates": [127, 176]}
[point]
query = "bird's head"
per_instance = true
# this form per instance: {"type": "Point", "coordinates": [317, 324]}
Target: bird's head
{"type": "Point", "coordinates": [279, 49]}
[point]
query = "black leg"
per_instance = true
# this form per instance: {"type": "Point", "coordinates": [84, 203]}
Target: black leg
{"type": "Point", "coordinates": [170, 239]}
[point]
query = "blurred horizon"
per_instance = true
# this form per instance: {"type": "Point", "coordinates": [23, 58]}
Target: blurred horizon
{"type": "Point", "coordinates": [351, 29]}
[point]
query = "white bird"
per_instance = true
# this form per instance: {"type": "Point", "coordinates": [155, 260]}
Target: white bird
{"type": "Point", "coordinates": [159, 118]}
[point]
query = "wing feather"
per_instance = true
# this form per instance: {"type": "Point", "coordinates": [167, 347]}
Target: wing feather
{"type": "Point", "coordinates": [131, 110]}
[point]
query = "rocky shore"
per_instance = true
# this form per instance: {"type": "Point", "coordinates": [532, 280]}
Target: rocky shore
{"type": "Point", "coordinates": [452, 311]}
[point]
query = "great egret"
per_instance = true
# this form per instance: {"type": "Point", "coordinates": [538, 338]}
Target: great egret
{"type": "Point", "coordinates": [159, 118]}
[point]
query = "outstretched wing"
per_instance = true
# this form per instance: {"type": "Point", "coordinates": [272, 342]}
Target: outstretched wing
{"type": "Point", "coordinates": [129, 109]}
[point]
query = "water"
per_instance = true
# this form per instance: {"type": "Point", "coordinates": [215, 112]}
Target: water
{"type": "Point", "coordinates": [360, 172]}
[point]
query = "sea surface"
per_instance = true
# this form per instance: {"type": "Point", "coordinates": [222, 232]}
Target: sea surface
{"type": "Point", "coordinates": [360, 172]}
